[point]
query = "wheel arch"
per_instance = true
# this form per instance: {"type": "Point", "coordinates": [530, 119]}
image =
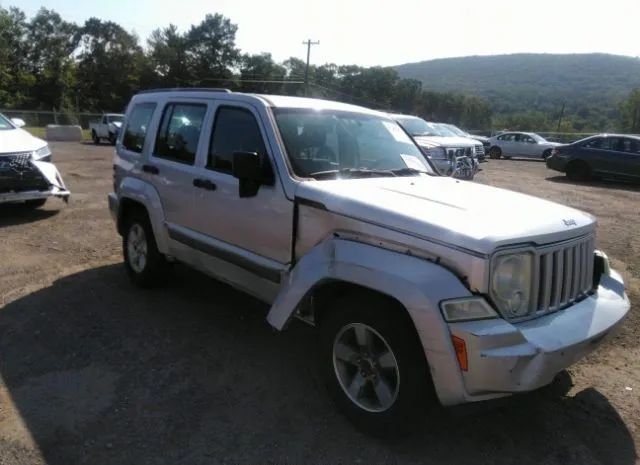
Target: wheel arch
{"type": "Point", "coordinates": [134, 193]}
{"type": "Point", "coordinates": [415, 285]}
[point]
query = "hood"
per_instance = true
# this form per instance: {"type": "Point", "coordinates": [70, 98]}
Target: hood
{"type": "Point", "coordinates": [18, 140]}
{"type": "Point", "coordinates": [479, 138]}
{"type": "Point", "coordinates": [439, 141]}
{"type": "Point", "coordinates": [458, 213]}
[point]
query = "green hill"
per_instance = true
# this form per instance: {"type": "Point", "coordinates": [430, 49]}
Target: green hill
{"type": "Point", "coordinates": [592, 85]}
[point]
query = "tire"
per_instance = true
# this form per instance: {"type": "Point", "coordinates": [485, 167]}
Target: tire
{"type": "Point", "coordinates": [578, 171]}
{"type": "Point", "coordinates": [495, 153]}
{"type": "Point", "coordinates": [546, 154]}
{"type": "Point", "coordinates": [112, 138]}
{"type": "Point", "coordinates": [36, 203]}
{"type": "Point", "coordinates": [388, 402]}
{"type": "Point", "coordinates": [144, 263]}
{"type": "Point", "coordinates": [95, 138]}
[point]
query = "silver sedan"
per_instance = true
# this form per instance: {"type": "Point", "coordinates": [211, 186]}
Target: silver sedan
{"type": "Point", "coordinates": [520, 144]}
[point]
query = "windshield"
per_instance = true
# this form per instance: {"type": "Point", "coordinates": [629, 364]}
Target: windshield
{"type": "Point", "coordinates": [336, 143]}
{"type": "Point", "coordinates": [456, 130]}
{"type": "Point", "coordinates": [5, 123]}
{"type": "Point", "coordinates": [419, 127]}
{"type": "Point", "coordinates": [116, 118]}
{"type": "Point", "coordinates": [445, 130]}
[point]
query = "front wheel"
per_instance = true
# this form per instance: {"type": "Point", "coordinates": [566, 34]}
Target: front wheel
{"type": "Point", "coordinates": [95, 138]}
{"type": "Point", "coordinates": [112, 138]}
{"type": "Point", "coordinates": [145, 265]}
{"type": "Point", "coordinates": [374, 365]}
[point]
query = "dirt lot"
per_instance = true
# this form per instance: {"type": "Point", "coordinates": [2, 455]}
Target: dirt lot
{"type": "Point", "coordinates": [94, 371]}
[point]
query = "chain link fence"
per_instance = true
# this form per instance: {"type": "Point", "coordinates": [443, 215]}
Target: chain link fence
{"type": "Point", "coordinates": [38, 119]}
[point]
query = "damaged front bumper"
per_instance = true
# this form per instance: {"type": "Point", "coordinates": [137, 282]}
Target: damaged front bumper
{"type": "Point", "coordinates": [508, 357]}
{"type": "Point", "coordinates": [23, 179]}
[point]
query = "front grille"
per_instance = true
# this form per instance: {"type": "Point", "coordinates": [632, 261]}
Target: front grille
{"type": "Point", "coordinates": [479, 151]}
{"type": "Point", "coordinates": [563, 274]}
{"type": "Point", "coordinates": [18, 173]}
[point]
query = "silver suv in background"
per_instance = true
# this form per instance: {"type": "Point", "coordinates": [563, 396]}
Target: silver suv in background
{"type": "Point", "coordinates": [423, 288]}
{"type": "Point", "coordinates": [451, 155]}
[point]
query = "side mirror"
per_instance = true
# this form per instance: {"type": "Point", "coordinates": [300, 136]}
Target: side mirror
{"type": "Point", "coordinates": [246, 168]}
{"type": "Point", "coordinates": [18, 122]}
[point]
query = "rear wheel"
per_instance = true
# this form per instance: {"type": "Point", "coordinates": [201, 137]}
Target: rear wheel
{"type": "Point", "coordinates": [578, 171]}
{"type": "Point", "coordinates": [546, 154]}
{"type": "Point", "coordinates": [95, 138]}
{"type": "Point", "coordinates": [145, 265]}
{"type": "Point", "coordinates": [495, 153]}
{"type": "Point", "coordinates": [374, 365]}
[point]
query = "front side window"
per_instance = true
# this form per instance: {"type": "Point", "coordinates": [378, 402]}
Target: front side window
{"type": "Point", "coordinates": [235, 130]}
{"type": "Point", "coordinates": [137, 126]}
{"type": "Point", "coordinates": [179, 132]}
{"type": "Point", "coordinates": [329, 143]}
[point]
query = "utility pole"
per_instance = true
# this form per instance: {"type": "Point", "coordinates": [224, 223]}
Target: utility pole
{"type": "Point", "coordinates": [308, 43]}
{"type": "Point", "coordinates": [561, 115]}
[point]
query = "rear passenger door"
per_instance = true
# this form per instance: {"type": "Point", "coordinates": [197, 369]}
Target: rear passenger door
{"type": "Point", "coordinates": [171, 165]}
{"type": "Point", "coordinates": [249, 230]}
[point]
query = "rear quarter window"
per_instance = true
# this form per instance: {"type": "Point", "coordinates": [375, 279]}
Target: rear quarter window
{"type": "Point", "coordinates": [138, 121]}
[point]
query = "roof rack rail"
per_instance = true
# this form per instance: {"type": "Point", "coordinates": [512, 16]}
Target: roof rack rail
{"type": "Point", "coordinates": [186, 89]}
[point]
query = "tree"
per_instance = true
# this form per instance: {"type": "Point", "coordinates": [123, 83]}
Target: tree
{"type": "Point", "coordinates": [110, 66]}
{"type": "Point", "coordinates": [261, 67]}
{"type": "Point", "coordinates": [51, 42]}
{"type": "Point", "coordinates": [630, 113]}
{"type": "Point", "coordinates": [168, 57]}
{"type": "Point", "coordinates": [16, 81]}
{"type": "Point", "coordinates": [211, 50]}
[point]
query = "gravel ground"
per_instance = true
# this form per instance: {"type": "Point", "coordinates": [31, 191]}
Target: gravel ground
{"type": "Point", "coordinates": [95, 371]}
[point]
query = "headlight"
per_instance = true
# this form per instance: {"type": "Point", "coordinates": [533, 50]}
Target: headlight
{"type": "Point", "coordinates": [511, 284]}
{"type": "Point", "coordinates": [465, 309]}
{"type": "Point", "coordinates": [42, 154]}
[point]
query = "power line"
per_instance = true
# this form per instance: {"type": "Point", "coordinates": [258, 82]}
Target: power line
{"type": "Point", "coordinates": [308, 43]}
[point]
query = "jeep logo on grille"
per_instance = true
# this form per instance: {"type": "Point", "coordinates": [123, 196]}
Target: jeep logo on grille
{"type": "Point", "coordinates": [570, 222]}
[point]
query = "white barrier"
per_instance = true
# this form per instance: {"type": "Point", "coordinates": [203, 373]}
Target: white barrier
{"type": "Point", "coordinates": [64, 133]}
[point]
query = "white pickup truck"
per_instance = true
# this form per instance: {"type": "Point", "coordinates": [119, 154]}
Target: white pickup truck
{"type": "Point", "coordinates": [108, 128]}
{"type": "Point", "coordinates": [423, 288]}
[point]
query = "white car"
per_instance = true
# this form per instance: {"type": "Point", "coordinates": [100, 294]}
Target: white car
{"type": "Point", "coordinates": [107, 129]}
{"type": "Point", "coordinates": [423, 288]}
{"type": "Point", "coordinates": [520, 144]}
{"type": "Point", "coordinates": [26, 172]}
{"type": "Point", "coordinates": [450, 154]}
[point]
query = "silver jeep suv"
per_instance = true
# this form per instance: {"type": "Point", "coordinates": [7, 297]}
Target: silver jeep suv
{"type": "Point", "coordinates": [423, 288]}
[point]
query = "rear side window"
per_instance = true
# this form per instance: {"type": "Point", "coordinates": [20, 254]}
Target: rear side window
{"type": "Point", "coordinates": [179, 132]}
{"type": "Point", "coordinates": [137, 126]}
{"type": "Point", "coordinates": [234, 130]}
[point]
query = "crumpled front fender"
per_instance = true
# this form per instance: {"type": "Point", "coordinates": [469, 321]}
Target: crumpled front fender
{"type": "Point", "coordinates": [419, 285]}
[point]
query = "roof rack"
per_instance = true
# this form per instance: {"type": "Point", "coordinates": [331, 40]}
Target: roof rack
{"type": "Point", "coordinates": [186, 89]}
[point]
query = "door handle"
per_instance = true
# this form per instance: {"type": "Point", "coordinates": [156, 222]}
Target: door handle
{"type": "Point", "coordinates": [150, 169]}
{"type": "Point", "coordinates": [204, 184]}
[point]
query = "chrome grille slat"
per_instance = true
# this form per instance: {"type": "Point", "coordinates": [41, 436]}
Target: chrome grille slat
{"type": "Point", "coordinates": [563, 274]}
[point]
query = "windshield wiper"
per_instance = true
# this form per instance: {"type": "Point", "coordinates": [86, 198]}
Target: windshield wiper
{"type": "Point", "coordinates": [351, 172]}
{"type": "Point", "coordinates": [409, 172]}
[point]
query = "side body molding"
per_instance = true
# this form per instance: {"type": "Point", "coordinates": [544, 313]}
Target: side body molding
{"type": "Point", "coordinates": [419, 285]}
{"type": "Point", "coordinates": [144, 193]}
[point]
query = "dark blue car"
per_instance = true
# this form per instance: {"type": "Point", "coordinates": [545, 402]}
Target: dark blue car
{"type": "Point", "coordinates": [603, 155]}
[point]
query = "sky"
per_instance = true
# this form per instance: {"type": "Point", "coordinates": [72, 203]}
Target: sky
{"type": "Point", "coordinates": [376, 32]}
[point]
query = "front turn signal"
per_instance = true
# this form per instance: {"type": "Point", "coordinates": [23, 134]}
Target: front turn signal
{"type": "Point", "coordinates": [461, 352]}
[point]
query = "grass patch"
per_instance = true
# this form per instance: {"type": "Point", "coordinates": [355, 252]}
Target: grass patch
{"type": "Point", "coordinates": [42, 132]}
